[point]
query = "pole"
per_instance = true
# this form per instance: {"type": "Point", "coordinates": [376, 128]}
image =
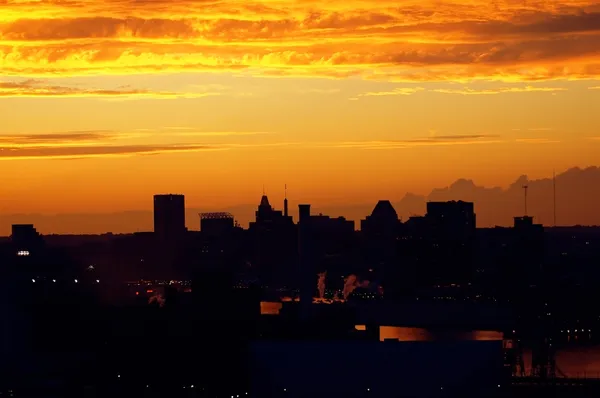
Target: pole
{"type": "Point", "coordinates": [554, 195]}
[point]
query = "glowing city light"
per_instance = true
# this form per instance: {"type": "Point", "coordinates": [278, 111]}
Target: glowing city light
{"type": "Point", "coordinates": [76, 281]}
{"type": "Point", "coordinates": [33, 280]}
{"type": "Point", "coordinates": [23, 253]}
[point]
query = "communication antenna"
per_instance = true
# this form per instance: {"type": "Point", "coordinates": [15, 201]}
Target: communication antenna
{"type": "Point", "coordinates": [525, 188]}
{"type": "Point", "coordinates": [554, 194]}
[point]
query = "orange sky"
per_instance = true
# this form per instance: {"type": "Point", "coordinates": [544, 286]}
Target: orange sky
{"type": "Point", "coordinates": [342, 100]}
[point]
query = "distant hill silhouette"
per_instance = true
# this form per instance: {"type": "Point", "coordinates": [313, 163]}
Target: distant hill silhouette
{"type": "Point", "coordinates": [577, 194]}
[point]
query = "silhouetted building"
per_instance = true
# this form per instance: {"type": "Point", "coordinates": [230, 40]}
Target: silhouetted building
{"type": "Point", "coordinates": [527, 251]}
{"type": "Point", "coordinates": [274, 241]}
{"type": "Point", "coordinates": [293, 368]}
{"type": "Point", "coordinates": [216, 224]}
{"type": "Point", "coordinates": [454, 219]}
{"type": "Point", "coordinates": [169, 216]}
{"type": "Point", "coordinates": [268, 217]}
{"type": "Point", "coordinates": [382, 221]}
{"type": "Point", "coordinates": [380, 231]}
{"type": "Point", "coordinates": [25, 239]}
{"type": "Point", "coordinates": [306, 254]}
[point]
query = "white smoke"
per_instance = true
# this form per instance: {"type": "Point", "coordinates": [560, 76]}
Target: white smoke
{"type": "Point", "coordinates": [158, 299]}
{"type": "Point", "coordinates": [321, 284]}
{"type": "Point", "coordinates": [349, 286]}
{"type": "Point", "coordinates": [351, 283]}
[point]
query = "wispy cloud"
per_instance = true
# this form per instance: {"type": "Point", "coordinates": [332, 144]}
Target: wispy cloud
{"type": "Point", "coordinates": [39, 89]}
{"type": "Point", "coordinates": [476, 139]}
{"type": "Point", "coordinates": [534, 129]}
{"type": "Point", "coordinates": [411, 40]}
{"type": "Point", "coordinates": [46, 152]}
{"type": "Point", "coordinates": [396, 91]}
{"type": "Point", "coordinates": [106, 143]}
{"type": "Point", "coordinates": [537, 140]}
{"type": "Point", "coordinates": [319, 91]}
{"type": "Point", "coordinates": [503, 90]}
{"type": "Point", "coordinates": [62, 139]}
{"type": "Point", "coordinates": [219, 133]}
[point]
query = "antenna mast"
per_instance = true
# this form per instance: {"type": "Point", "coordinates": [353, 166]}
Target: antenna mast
{"type": "Point", "coordinates": [525, 188]}
{"type": "Point", "coordinates": [554, 194]}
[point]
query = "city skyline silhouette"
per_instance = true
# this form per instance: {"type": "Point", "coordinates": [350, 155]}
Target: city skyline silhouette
{"type": "Point", "coordinates": [300, 198]}
{"type": "Point", "coordinates": [577, 194]}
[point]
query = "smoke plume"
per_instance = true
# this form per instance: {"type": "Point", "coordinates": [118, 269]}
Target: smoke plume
{"type": "Point", "coordinates": [351, 283]}
{"type": "Point", "coordinates": [158, 299]}
{"type": "Point", "coordinates": [349, 286]}
{"type": "Point", "coordinates": [321, 284]}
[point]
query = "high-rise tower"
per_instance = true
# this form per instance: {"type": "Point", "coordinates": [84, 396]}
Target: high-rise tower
{"type": "Point", "coordinates": [169, 216]}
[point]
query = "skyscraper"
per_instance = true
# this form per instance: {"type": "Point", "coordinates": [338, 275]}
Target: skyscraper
{"type": "Point", "coordinates": [169, 216]}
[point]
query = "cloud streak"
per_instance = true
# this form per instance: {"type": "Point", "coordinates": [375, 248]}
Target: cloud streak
{"type": "Point", "coordinates": [375, 39]}
{"type": "Point", "coordinates": [502, 90]}
{"type": "Point", "coordinates": [45, 152]}
{"type": "Point", "coordinates": [107, 143]}
{"type": "Point", "coordinates": [396, 91]}
{"type": "Point", "coordinates": [446, 140]}
{"type": "Point", "coordinates": [38, 89]}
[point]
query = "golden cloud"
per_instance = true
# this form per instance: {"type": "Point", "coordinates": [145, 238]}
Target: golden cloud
{"type": "Point", "coordinates": [35, 89]}
{"type": "Point", "coordinates": [445, 140]}
{"type": "Point", "coordinates": [537, 140]}
{"type": "Point", "coordinates": [104, 143]}
{"type": "Point", "coordinates": [396, 91]}
{"type": "Point", "coordinates": [501, 90]}
{"type": "Point", "coordinates": [376, 39]}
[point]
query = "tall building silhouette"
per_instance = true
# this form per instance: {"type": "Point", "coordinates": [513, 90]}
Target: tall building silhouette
{"type": "Point", "coordinates": [25, 239]}
{"type": "Point", "coordinates": [273, 236]}
{"type": "Point", "coordinates": [380, 231]}
{"type": "Point", "coordinates": [169, 216]}
{"type": "Point", "coordinates": [454, 219]}
{"type": "Point", "coordinates": [216, 224]}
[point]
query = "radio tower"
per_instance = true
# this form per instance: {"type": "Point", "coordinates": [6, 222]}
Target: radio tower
{"type": "Point", "coordinates": [554, 195]}
{"type": "Point", "coordinates": [525, 188]}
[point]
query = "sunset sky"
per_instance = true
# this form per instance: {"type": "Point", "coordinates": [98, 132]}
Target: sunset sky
{"type": "Point", "coordinates": [341, 100]}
